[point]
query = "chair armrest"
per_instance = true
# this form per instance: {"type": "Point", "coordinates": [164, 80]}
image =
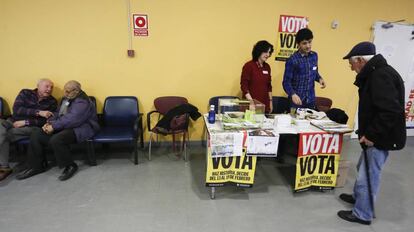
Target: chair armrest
{"type": "Point", "coordinates": [149, 118]}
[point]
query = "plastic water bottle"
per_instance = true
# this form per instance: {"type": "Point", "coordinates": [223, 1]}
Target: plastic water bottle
{"type": "Point", "coordinates": [212, 115]}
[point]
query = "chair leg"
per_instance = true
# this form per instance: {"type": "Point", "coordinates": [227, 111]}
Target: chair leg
{"type": "Point", "coordinates": [141, 139]}
{"type": "Point", "coordinates": [88, 152]}
{"type": "Point", "coordinates": [204, 138]}
{"type": "Point", "coordinates": [149, 146]}
{"type": "Point", "coordinates": [184, 146]}
{"type": "Point", "coordinates": [135, 152]}
{"type": "Point", "coordinates": [141, 132]}
{"type": "Point", "coordinates": [91, 154]}
{"type": "Point", "coordinates": [173, 142]}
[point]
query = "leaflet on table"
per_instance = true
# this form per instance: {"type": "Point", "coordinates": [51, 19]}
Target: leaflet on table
{"type": "Point", "coordinates": [226, 144]}
{"type": "Point", "coordinates": [239, 125]}
{"type": "Point", "coordinates": [262, 143]}
{"type": "Point", "coordinates": [331, 126]}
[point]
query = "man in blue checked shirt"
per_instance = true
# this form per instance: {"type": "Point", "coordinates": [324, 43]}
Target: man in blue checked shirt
{"type": "Point", "coordinates": [301, 72]}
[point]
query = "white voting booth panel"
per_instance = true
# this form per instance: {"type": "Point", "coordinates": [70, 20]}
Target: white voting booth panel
{"type": "Point", "coordinates": [394, 41]}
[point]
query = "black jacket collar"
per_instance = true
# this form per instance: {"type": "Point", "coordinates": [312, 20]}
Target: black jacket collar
{"type": "Point", "coordinates": [376, 62]}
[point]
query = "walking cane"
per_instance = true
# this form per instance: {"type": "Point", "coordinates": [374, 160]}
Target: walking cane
{"type": "Point", "coordinates": [371, 197]}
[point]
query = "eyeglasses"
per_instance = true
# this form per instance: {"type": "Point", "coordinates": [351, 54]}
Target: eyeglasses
{"type": "Point", "coordinates": [68, 91]}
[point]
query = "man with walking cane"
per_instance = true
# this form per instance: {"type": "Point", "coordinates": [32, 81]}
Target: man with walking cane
{"type": "Point", "coordinates": [381, 126]}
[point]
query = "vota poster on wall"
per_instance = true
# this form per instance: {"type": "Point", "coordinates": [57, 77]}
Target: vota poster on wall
{"type": "Point", "coordinates": [288, 27]}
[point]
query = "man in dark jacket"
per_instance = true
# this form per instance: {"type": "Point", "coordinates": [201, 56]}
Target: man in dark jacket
{"type": "Point", "coordinates": [75, 122]}
{"type": "Point", "coordinates": [381, 125]}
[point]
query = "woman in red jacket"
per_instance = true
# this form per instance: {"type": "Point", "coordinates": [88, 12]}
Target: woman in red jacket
{"type": "Point", "coordinates": [256, 81]}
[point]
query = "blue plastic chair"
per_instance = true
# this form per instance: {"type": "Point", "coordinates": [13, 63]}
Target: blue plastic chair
{"type": "Point", "coordinates": [121, 122]}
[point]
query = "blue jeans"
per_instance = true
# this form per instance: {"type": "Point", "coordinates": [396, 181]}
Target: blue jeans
{"type": "Point", "coordinates": [376, 160]}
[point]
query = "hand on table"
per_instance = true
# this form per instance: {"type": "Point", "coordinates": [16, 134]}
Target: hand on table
{"type": "Point", "coordinates": [296, 99]}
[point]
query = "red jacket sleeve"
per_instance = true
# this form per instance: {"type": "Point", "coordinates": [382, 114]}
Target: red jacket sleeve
{"type": "Point", "coordinates": [245, 79]}
{"type": "Point", "coordinates": [270, 78]}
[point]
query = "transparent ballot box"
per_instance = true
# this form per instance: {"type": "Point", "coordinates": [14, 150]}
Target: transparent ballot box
{"type": "Point", "coordinates": [237, 105]}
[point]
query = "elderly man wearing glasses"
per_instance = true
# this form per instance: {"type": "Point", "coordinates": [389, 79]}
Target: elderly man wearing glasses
{"type": "Point", "coordinates": [76, 121]}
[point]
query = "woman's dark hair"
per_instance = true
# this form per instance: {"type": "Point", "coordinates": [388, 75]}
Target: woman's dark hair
{"type": "Point", "coordinates": [260, 47]}
{"type": "Point", "coordinates": [303, 34]}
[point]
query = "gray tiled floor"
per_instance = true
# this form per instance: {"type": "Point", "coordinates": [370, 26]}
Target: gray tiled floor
{"type": "Point", "coordinates": [167, 194]}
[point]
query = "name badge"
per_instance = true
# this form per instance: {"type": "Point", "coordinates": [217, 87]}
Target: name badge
{"type": "Point", "coordinates": [314, 68]}
{"type": "Point", "coordinates": [265, 72]}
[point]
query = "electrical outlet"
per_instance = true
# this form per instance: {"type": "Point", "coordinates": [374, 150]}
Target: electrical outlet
{"type": "Point", "coordinates": [131, 53]}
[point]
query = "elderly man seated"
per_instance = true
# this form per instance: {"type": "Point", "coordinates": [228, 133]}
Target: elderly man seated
{"type": "Point", "coordinates": [75, 122]}
{"type": "Point", "coordinates": [31, 109]}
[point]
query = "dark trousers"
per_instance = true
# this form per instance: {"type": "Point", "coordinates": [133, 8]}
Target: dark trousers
{"type": "Point", "coordinates": [310, 105]}
{"type": "Point", "coordinates": [59, 142]}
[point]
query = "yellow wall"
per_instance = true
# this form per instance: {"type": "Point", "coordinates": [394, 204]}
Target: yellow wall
{"type": "Point", "coordinates": [195, 49]}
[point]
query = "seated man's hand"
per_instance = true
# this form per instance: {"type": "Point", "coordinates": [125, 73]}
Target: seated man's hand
{"type": "Point", "coordinates": [45, 114]}
{"type": "Point", "coordinates": [44, 127]}
{"type": "Point", "coordinates": [47, 128]}
{"type": "Point", "coordinates": [18, 124]}
{"type": "Point", "coordinates": [296, 99]}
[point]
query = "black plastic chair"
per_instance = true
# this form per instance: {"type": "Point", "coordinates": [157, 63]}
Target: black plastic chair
{"type": "Point", "coordinates": [121, 122]}
{"type": "Point", "coordinates": [214, 101]}
{"type": "Point", "coordinates": [280, 105]}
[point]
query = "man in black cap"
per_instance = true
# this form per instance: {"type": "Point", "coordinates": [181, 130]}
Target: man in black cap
{"type": "Point", "coordinates": [381, 126]}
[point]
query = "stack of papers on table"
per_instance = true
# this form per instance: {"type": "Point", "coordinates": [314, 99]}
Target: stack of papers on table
{"type": "Point", "coordinates": [331, 126]}
{"type": "Point", "coordinates": [301, 122]}
{"type": "Point", "coordinates": [283, 120]}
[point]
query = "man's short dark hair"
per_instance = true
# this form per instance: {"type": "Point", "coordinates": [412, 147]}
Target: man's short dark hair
{"type": "Point", "coordinates": [303, 34]}
{"type": "Point", "coordinates": [260, 47]}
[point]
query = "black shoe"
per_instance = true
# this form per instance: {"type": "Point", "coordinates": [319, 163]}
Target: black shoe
{"type": "Point", "coordinates": [20, 167]}
{"type": "Point", "coordinates": [347, 215]}
{"type": "Point", "coordinates": [28, 173]}
{"type": "Point", "coordinates": [348, 198]}
{"type": "Point", "coordinates": [68, 172]}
